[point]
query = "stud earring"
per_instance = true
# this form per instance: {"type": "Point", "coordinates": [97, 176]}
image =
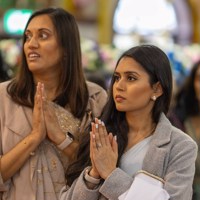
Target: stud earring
{"type": "Point", "coordinates": [153, 98]}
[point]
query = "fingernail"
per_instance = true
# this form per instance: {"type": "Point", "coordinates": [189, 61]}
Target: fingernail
{"type": "Point", "coordinates": [96, 125]}
{"type": "Point", "coordinates": [102, 123]}
{"type": "Point", "coordinates": [115, 137]}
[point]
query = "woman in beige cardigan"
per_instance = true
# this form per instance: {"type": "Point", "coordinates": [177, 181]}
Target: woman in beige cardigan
{"type": "Point", "coordinates": [45, 108]}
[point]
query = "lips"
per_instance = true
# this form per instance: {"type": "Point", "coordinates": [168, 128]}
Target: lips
{"type": "Point", "coordinates": [119, 98]}
{"type": "Point", "coordinates": [33, 56]}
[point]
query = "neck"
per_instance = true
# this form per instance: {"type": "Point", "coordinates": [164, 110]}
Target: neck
{"type": "Point", "coordinates": [139, 129]}
{"type": "Point", "coordinates": [139, 124]}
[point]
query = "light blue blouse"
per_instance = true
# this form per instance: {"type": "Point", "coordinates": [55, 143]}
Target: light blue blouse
{"type": "Point", "coordinates": [132, 160]}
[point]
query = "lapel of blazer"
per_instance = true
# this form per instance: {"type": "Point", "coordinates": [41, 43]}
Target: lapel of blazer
{"type": "Point", "coordinates": [156, 159]}
{"type": "Point", "coordinates": [20, 120]}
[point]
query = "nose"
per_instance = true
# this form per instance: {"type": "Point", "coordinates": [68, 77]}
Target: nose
{"type": "Point", "coordinates": [120, 84]}
{"type": "Point", "coordinates": [33, 43]}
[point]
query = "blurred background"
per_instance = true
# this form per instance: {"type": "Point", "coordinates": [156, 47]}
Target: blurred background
{"type": "Point", "coordinates": [107, 28]}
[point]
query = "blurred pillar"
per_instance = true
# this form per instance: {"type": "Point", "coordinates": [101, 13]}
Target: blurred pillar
{"type": "Point", "coordinates": [195, 8]}
{"type": "Point", "coordinates": [105, 20]}
{"type": "Point", "coordinates": [69, 5]}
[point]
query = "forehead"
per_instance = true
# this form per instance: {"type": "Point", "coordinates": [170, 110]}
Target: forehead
{"type": "Point", "coordinates": [41, 22]}
{"type": "Point", "coordinates": [129, 64]}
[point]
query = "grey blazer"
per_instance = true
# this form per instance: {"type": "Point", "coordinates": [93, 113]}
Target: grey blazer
{"type": "Point", "coordinates": [171, 156]}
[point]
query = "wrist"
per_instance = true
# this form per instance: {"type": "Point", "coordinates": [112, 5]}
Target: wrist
{"type": "Point", "coordinates": [69, 138]}
{"type": "Point", "coordinates": [35, 137]}
{"type": "Point", "coordinates": [92, 173]}
{"type": "Point", "coordinates": [91, 179]}
{"type": "Point", "coordinates": [59, 138]}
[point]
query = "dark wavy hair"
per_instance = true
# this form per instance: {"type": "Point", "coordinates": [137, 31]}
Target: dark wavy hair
{"type": "Point", "coordinates": [72, 83]}
{"type": "Point", "coordinates": [187, 103]}
{"type": "Point", "coordinates": [157, 65]}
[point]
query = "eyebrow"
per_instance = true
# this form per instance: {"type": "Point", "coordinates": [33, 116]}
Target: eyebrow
{"type": "Point", "coordinates": [41, 29]}
{"type": "Point", "coordinates": [127, 72]}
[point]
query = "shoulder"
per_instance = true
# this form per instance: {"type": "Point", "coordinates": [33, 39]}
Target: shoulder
{"type": "Point", "coordinates": [3, 89]}
{"type": "Point", "coordinates": [170, 148]}
{"type": "Point", "coordinates": [95, 89]}
{"type": "Point", "coordinates": [7, 105]}
{"type": "Point", "coordinates": [4, 84]}
{"type": "Point", "coordinates": [173, 137]}
{"type": "Point", "coordinates": [97, 98]}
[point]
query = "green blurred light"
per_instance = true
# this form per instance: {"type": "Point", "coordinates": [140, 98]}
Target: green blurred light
{"type": "Point", "coordinates": [15, 20]}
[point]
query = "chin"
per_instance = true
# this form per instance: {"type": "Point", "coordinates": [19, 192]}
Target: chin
{"type": "Point", "coordinates": [120, 109]}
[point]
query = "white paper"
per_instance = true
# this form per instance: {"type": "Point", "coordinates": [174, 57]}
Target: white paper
{"type": "Point", "coordinates": [145, 187]}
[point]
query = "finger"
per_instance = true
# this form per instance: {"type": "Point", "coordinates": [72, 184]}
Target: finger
{"type": "Point", "coordinates": [91, 144]}
{"type": "Point", "coordinates": [115, 144]}
{"type": "Point", "coordinates": [96, 134]}
{"type": "Point", "coordinates": [102, 133]}
{"type": "Point", "coordinates": [36, 94]}
{"type": "Point", "coordinates": [106, 135]}
{"type": "Point", "coordinates": [93, 138]}
{"type": "Point", "coordinates": [110, 136]}
{"type": "Point", "coordinates": [44, 96]}
{"type": "Point", "coordinates": [39, 101]}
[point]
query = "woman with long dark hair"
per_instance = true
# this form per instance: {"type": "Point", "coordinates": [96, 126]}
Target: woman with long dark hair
{"type": "Point", "coordinates": [45, 108]}
{"type": "Point", "coordinates": [133, 137]}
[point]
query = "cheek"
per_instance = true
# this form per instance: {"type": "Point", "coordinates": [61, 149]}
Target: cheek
{"type": "Point", "coordinates": [51, 47]}
{"type": "Point", "coordinates": [53, 50]}
{"type": "Point", "coordinates": [142, 93]}
{"type": "Point", "coordinates": [25, 48]}
{"type": "Point", "coordinates": [197, 89]}
{"type": "Point", "coordinates": [197, 84]}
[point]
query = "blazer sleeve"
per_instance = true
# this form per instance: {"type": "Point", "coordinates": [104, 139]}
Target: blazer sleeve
{"type": "Point", "coordinates": [180, 172]}
{"type": "Point", "coordinates": [116, 184]}
{"type": "Point", "coordinates": [79, 191]}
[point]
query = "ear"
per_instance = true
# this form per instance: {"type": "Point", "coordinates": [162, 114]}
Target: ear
{"type": "Point", "coordinates": [158, 90]}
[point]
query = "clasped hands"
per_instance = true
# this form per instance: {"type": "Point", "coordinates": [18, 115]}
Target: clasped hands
{"type": "Point", "coordinates": [103, 151]}
{"type": "Point", "coordinates": [45, 123]}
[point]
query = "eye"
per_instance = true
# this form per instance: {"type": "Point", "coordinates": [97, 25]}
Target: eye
{"type": "Point", "coordinates": [43, 35]}
{"type": "Point", "coordinates": [131, 78]}
{"type": "Point", "coordinates": [27, 36]}
{"type": "Point", "coordinates": [116, 77]}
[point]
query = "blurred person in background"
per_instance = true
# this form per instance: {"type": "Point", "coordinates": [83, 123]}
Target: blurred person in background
{"type": "Point", "coordinates": [3, 72]}
{"type": "Point", "coordinates": [185, 115]}
{"type": "Point", "coordinates": [45, 108]}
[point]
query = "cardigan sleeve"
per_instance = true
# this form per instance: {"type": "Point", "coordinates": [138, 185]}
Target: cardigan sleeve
{"type": "Point", "coordinates": [97, 100]}
{"type": "Point", "coordinates": [3, 185]}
